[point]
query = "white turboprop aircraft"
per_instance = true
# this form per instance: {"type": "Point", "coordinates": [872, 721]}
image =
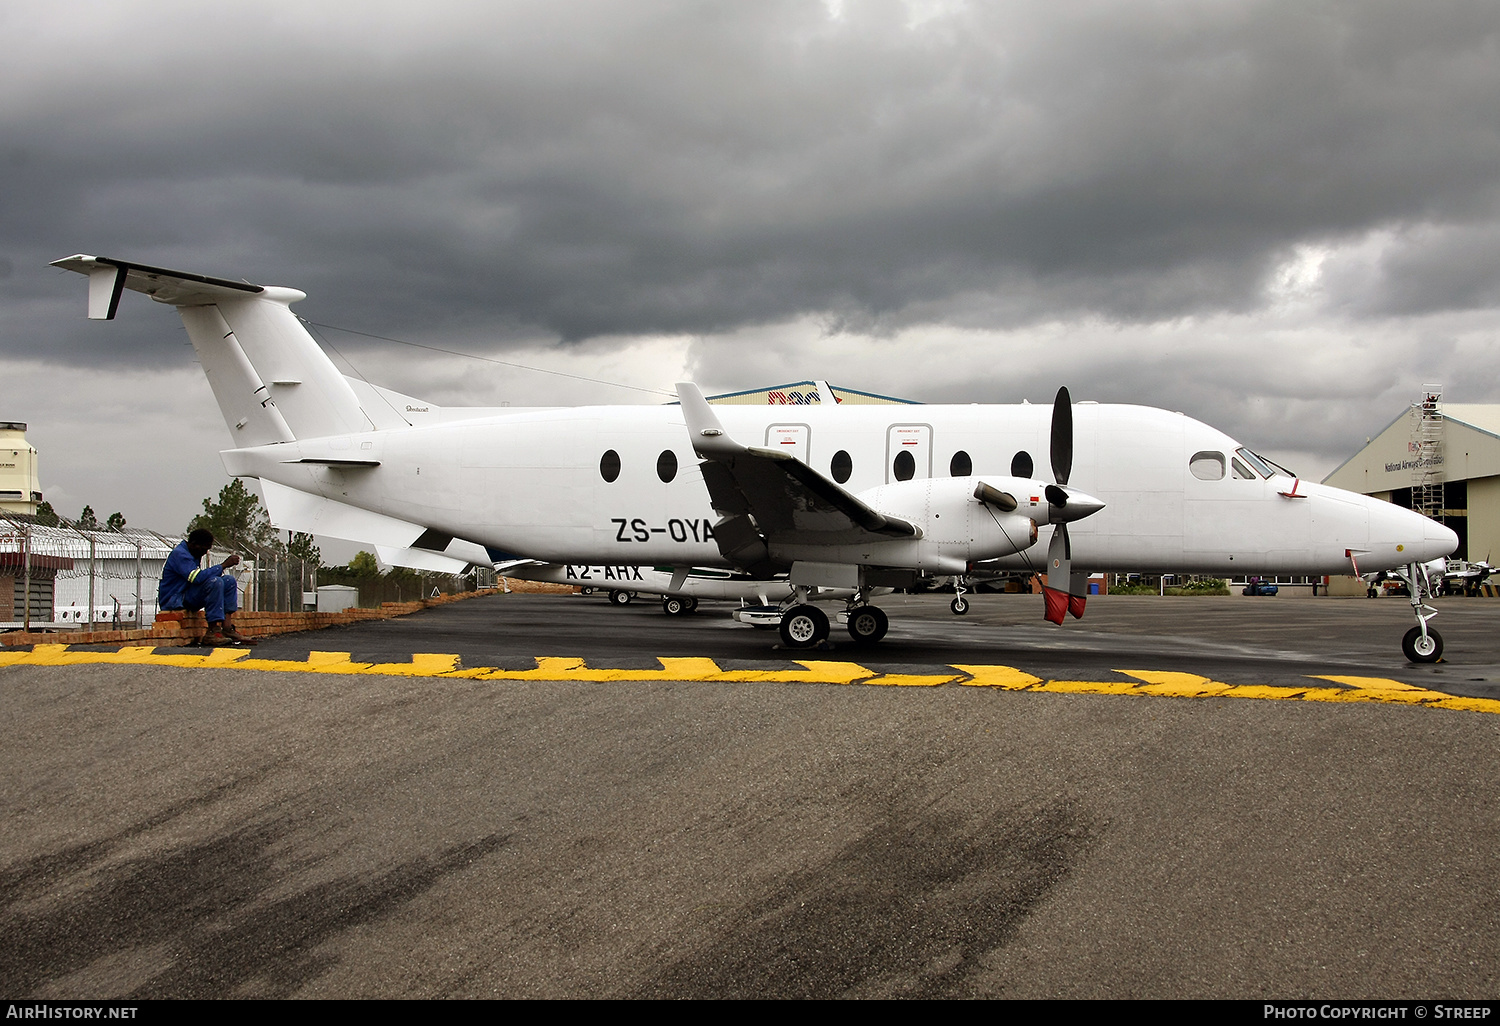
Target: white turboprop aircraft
{"type": "Point", "coordinates": [852, 497]}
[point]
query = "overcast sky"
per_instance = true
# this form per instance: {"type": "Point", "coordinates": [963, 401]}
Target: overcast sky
{"type": "Point", "coordinates": [1278, 217]}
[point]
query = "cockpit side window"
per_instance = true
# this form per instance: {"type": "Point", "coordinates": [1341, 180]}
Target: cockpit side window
{"type": "Point", "coordinates": [1256, 462]}
{"type": "Point", "coordinates": [1207, 466]}
{"type": "Point", "coordinates": [1241, 471]}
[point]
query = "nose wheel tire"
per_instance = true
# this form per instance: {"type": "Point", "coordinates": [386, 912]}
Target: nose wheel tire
{"type": "Point", "coordinates": [803, 627]}
{"type": "Point", "coordinates": [620, 598]}
{"type": "Point", "coordinates": [868, 624]}
{"type": "Point", "coordinates": [959, 606]}
{"type": "Point", "coordinates": [1422, 650]}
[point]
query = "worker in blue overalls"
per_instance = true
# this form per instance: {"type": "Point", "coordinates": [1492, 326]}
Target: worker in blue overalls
{"type": "Point", "coordinates": [187, 584]}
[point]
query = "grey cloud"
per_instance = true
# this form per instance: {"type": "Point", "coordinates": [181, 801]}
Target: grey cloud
{"type": "Point", "coordinates": [649, 168]}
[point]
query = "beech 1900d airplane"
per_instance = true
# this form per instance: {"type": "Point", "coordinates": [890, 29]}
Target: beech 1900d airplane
{"type": "Point", "coordinates": [859, 498]}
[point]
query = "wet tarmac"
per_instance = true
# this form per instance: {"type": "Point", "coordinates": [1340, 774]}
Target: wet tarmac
{"type": "Point", "coordinates": [195, 830]}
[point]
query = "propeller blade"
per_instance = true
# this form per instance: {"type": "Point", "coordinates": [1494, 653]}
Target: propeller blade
{"type": "Point", "coordinates": [1062, 436]}
{"type": "Point", "coordinates": [1059, 572]}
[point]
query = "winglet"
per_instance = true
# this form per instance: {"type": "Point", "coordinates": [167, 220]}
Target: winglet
{"type": "Point", "coordinates": [706, 433]}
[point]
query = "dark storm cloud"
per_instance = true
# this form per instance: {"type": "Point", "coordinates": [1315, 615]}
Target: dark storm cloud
{"type": "Point", "coordinates": [576, 170]}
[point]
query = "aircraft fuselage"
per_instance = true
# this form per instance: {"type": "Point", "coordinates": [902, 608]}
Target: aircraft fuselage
{"type": "Point", "coordinates": [533, 483]}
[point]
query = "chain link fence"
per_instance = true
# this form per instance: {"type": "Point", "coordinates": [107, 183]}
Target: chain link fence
{"type": "Point", "coordinates": [71, 577]}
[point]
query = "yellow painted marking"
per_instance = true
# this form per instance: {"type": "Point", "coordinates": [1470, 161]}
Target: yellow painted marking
{"type": "Point", "coordinates": [1372, 683]}
{"type": "Point", "coordinates": [913, 680]}
{"type": "Point", "coordinates": [1089, 687]}
{"type": "Point", "coordinates": [1177, 685]}
{"type": "Point", "coordinates": [1007, 677]}
{"type": "Point", "coordinates": [1159, 683]}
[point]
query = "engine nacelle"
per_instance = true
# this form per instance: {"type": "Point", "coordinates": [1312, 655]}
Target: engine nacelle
{"type": "Point", "coordinates": [957, 524]}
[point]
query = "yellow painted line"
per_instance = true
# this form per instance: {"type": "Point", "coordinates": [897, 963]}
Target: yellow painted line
{"type": "Point", "coordinates": [1007, 677]}
{"type": "Point", "coordinates": [1146, 683]}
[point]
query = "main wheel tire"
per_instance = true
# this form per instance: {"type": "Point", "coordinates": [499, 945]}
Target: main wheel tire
{"type": "Point", "coordinates": [959, 606]}
{"type": "Point", "coordinates": [674, 606]}
{"type": "Point", "coordinates": [585, 591]}
{"type": "Point", "coordinates": [803, 627]}
{"type": "Point", "coordinates": [690, 604]}
{"type": "Point", "coordinates": [1422, 650]}
{"type": "Point", "coordinates": [868, 624]}
{"type": "Point", "coordinates": [621, 598]}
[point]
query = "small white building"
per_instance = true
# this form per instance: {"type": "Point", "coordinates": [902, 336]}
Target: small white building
{"type": "Point", "coordinates": [20, 491]}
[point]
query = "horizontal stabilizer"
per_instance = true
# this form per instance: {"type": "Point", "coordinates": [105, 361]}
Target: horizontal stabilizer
{"type": "Point", "coordinates": [272, 382]}
{"type": "Point", "coordinates": [108, 278]}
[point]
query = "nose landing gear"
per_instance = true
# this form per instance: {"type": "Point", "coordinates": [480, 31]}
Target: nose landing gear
{"type": "Point", "coordinates": [1422, 644]}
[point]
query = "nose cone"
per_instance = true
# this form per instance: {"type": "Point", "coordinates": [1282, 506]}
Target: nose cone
{"type": "Point", "coordinates": [1437, 540]}
{"type": "Point", "coordinates": [1400, 536]}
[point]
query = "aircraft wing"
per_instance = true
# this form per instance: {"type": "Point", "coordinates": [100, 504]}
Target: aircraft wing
{"type": "Point", "coordinates": [766, 494]}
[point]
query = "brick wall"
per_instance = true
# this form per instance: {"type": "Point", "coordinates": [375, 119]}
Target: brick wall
{"type": "Point", "coordinates": [183, 628]}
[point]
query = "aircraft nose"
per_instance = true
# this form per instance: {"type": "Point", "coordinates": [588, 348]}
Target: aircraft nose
{"type": "Point", "coordinates": [1437, 540]}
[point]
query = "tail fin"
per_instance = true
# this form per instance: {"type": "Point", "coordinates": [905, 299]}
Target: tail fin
{"type": "Point", "coordinates": [272, 381]}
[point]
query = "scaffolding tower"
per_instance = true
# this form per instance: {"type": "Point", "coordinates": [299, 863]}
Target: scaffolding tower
{"type": "Point", "coordinates": [1427, 453]}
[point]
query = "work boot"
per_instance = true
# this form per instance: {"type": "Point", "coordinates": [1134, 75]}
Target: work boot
{"type": "Point", "coordinates": [235, 637]}
{"type": "Point", "coordinates": [213, 639]}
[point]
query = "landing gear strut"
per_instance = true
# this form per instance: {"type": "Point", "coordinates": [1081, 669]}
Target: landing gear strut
{"type": "Point", "coordinates": [959, 605]}
{"type": "Point", "coordinates": [1422, 644]}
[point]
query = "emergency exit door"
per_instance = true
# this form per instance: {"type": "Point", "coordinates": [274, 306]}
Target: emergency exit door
{"type": "Point", "coordinates": [908, 452]}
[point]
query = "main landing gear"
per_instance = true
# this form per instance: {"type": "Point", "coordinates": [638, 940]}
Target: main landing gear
{"type": "Point", "coordinates": [803, 626]}
{"type": "Point", "coordinates": [621, 598]}
{"type": "Point", "coordinates": [806, 626]}
{"type": "Point", "coordinates": [1421, 644]}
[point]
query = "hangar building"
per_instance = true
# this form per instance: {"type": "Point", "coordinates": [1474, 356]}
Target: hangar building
{"type": "Point", "coordinates": [1442, 459]}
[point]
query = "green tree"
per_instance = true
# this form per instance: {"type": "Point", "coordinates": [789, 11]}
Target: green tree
{"type": "Point", "coordinates": [47, 516]}
{"type": "Point", "coordinates": [237, 519]}
{"type": "Point", "coordinates": [115, 522]}
{"type": "Point", "coordinates": [87, 521]}
{"type": "Point", "coordinates": [364, 565]}
{"type": "Point", "coordinates": [302, 548]}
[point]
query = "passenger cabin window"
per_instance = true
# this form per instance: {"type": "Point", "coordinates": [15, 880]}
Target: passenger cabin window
{"type": "Point", "coordinates": [841, 466]}
{"type": "Point", "coordinates": [666, 465]}
{"type": "Point", "coordinates": [609, 465]}
{"type": "Point", "coordinates": [1207, 466]}
{"type": "Point", "coordinates": [1020, 465]}
{"type": "Point", "coordinates": [960, 465]}
{"type": "Point", "coordinates": [905, 466]}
